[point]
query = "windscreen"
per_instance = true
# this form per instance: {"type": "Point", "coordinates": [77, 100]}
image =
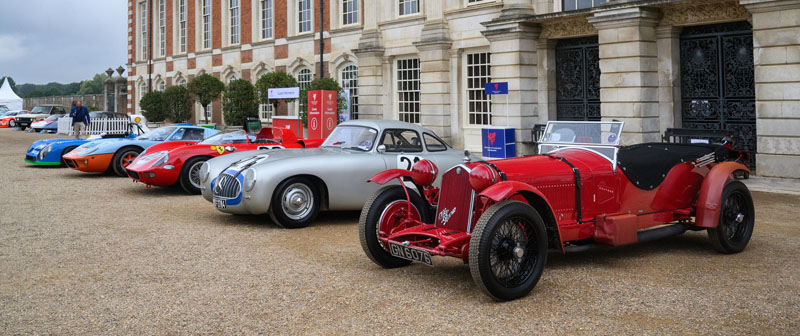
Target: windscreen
{"type": "Point", "coordinates": [158, 134]}
{"type": "Point", "coordinates": [352, 137]}
{"type": "Point", "coordinates": [40, 110]}
{"type": "Point", "coordinates": [583, 132]}
{"type": "Point", "coordinates": [227, 138]}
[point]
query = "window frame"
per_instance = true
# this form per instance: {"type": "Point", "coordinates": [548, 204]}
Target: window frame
{"type": "Point", "coordinates": [386, 131]}
{"type": "Point", "coordinates": [234, 22]}
{"type": "Point", "coordinates": [466, 89]}
{"type": "Point", "coordinates": [428, 148]}
{"type": "Point", "coordinates": [182, 26]}
{"type": "Point", "coordinates": [263, 29]}
{"type": "Point", "coordinates": [400, 3]}
{"type": "Point", "coordinates": [162, 28]}
{"type": "Point", "coordinates": [206, 29]}
{"type": "Point", "coordinates": [356, 13]}
{"type": "Point", "coordinates": [349, 80]}
{"type": "Point", "coordinates": [563, 4]}
{"type": "Point", "coordinates": [298, 15]}
{"type": "Point", "coordinates": [396, 88]}
{"type": "Point", "coordinates": [143, 29]}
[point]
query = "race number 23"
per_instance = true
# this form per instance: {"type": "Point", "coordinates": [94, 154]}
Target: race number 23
{"type": "Point", "coordinates": [406, 161]}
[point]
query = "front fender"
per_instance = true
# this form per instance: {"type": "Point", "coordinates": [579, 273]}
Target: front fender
{"type": "Point", "coordinates": [388, 175]}
{"type": "Point", "coordinates": [504, 190]}
{"type": "Point", "coordinates": [710, 196]}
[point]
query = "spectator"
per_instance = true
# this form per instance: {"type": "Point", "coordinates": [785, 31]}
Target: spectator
{"type": "Point", "coordinates": [80, 119]}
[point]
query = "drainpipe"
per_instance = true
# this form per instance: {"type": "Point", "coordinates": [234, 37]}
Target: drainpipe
{"type": "Point", "coordinates": [321, 39]}
{"type": "Point", "coordinates": [149, 46]}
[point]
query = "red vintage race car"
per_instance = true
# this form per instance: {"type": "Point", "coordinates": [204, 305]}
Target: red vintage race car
{"type": "Point", "coordinates": [586, 191]}
{"type": "Point", "coordinates": [173, 162]}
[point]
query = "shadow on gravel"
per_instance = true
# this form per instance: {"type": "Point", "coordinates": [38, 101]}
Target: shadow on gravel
{"type": "Point", "coordinates": [40, 166]}
{"type": "Point", "coordinates": [141, 190]}
{"type": "Point", "coordinates": [83, 175]}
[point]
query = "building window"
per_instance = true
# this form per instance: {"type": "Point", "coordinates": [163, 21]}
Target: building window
{"type": "Point", "coordinates": [479, 106]}
{"type": "Point", "coordinates": [349, 12]}
{"type": "Point", "coordinates": [303, 79]}
{"type": "Point", "coordinates": [143, 28]}
{"type": "Point", "coordinates": [162, 27]}
{"type": "Point", "coordinates": [304, 16]}
{"type": "Point", "coordinates": [233, 9]}
{"type": "Point", "coordinates": [408, 7]}
{"type": "Point", "coordinates": [206, 23]}
{"type": "Point", "coordinates": [182, 25]}
{"type": "Point", "coordinates": [265, 112]}
{"type": "Point", "coordinates": [208, 112]}
{"type": "Point", "coordinates": [408, 90]}
{"type": "Point", "coordinates": [349, 80]}
{"type": "Point", "coordinates": [580, 4]}
{"type": "Point", "coordinates": [266, 19]}
{"type": "Point", "coordinates": [142, 92]}
{"type": "Point", "coordinates": [162, 85]}
{"type": "Point", "coordinates": [232, 78]}
{"type": "Point", "coordinates": [181, 82]}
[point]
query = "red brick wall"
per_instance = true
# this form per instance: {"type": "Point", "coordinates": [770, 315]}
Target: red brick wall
{"type": "Point", "coordinates": [281, 51]}
{"type": "Point", "coordinates": [280, 18]}
{"type": "Point", "coordinates": [327, 46]}
{"type": "Point", "coordinates": [327, 16]}
{"type": "Point", "coordinates": [190, 26]}
{"type": "Point", "coordinates": [192, 63]}
{"type": "Point", "coordinates": [246, 28]}
{"type": "Point", "coordinates": [216, 26]}
{"type": "Point", "coordinates": [132, 32]}
{"type": "Point", "coordinates": [131, 97]}
{"type": "Point", "coordinates": [247, 56]}
{"type": "Point", "coordinates": [169, 28]}
{"type": "Point", "coordinates": [216, 60]}
{"type": "Point", "coordinates": [170, 66]}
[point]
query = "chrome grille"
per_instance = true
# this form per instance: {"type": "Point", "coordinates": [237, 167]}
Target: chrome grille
{"type": "Point", "coordinates": [227, 186]}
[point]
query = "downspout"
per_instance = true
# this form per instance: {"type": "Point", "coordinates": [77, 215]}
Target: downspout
{"type": "Point", "coordinates": [149, 46]}
{"type": "Point", "coordinates": [321, 39]}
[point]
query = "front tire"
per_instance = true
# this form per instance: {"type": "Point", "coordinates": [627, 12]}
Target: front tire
{"type": "Point", "coordinates": [384, 212]}
{"type": "Point", "coordinates": [736, 219]}
{"type": "Point", "coordinates": [190, 175]}
{"type": "Point", "coordinates": [508, 250]}
{"type": "Point", "coordinates": [122, 159]}
{"type": "Point", "coordinates": [295, 203]}
{"type": "Point", "coordinates": [11, 123]}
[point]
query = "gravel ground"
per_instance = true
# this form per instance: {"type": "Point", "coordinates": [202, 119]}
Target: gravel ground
{"type": "Point", "coordinates": [94, 254]}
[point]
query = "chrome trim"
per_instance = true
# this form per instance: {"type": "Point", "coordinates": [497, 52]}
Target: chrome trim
{"type": "Point", "coordinates": [225, 187]}
{"type": "Point", "coordinates": [471, 211]}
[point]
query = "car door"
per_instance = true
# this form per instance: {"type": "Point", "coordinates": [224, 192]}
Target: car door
{"type": "Point", "coordinates": [402, 148]}
{"type": "Point", "coordinates": [440, 153]}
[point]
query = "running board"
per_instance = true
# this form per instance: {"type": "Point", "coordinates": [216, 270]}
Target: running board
{"type": "Point", "coordinates": [641, 237]}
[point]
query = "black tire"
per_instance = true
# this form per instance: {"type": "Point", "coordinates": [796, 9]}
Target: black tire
{"type": "Point", "coordinates": [736, 219]}
{"type": "Point", "coordinates": [297, 212]}
{"type": "Point", "coordinates": [124, 157]}
{"type": "Point", "coordinates": [497, 237]}
{"type": "Point", "coordinates": [65, 151]}
{"type": "Point", "coordinates": [189, 178]}
{"type": "Point", "coordinates": [12, 123]}
{"type": "Point", "coordinates": [369, 221]}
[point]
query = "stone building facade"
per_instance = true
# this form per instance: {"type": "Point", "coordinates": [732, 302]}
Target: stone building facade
{"type": "Point", "coordinates": [653, 64]}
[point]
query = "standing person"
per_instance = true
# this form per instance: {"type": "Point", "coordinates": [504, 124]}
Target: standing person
{"type": "Point", "coordinates": [80, 119]}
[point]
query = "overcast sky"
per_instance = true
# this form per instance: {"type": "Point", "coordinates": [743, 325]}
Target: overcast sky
{"type": "Point", "coordinates": [63, 41]}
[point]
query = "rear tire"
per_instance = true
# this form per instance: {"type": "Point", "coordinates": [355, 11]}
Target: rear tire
{"type": "Point", "coordinates": [295, 203]}
{"type": "Point", "coordinates": [123, 158]}
{"type": "Point", "coordinates": [393, 199]}
{"type": "Point", "coordinates": [736, 219]}
{"type": "Point", "coordinates": [508, 250]}
{"type": "Point", "coordinates": [65, 151]}
{"type": "Point", "coordinates": [190, 175]}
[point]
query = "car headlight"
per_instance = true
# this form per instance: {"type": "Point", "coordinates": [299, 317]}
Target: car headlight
{"type": "Point", "coordinates": [204, 172]}
{"type": "Point", "coordinates": [91, 150]}
{"type": "Point", "coordinates": [45, 151]}
{"type": "Point", "coordinates": [162, 160]}
{"type": "Point", "coordinates": [249, 179]}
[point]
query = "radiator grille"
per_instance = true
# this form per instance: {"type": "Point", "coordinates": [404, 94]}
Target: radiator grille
{"type": "Point", "coordinates": [227, 186]}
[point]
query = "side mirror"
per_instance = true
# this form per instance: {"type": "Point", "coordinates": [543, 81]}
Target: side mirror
{"type": "Point", "coordinates": [381, 149]}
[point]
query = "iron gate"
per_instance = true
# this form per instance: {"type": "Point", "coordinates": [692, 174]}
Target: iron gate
{"type": "Point", "coordinates": [717, 81]}
{"type": "Point", "coordinates": [578, 79]}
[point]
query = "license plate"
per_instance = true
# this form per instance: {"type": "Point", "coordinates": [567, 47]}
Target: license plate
{"type": "Point", "coordinates": [220, 203]}
{"type": "Point", "coordinates": [410, 253]}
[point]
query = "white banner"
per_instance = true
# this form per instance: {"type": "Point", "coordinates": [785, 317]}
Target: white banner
{"type": "Point", "coordinates": [284, 93]}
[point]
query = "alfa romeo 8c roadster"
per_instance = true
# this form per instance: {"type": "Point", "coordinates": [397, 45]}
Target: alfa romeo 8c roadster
{"type": "Point", "coordinates": [582, 191]}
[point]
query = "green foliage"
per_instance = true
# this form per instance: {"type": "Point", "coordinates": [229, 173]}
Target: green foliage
{"type": "Point", "coordinates": [205, 89]}
{"type": "Point", "coordinates": [153, 106]}
{"type": "Point", "coordinates": [324, 83]}
{"type": "Point", "coordinates": [93, 86]}
{"type": "Point", "coordinates": [92, 108]}
{"type": "Point", "coordinates": [274, 80]}
{"type": "Point", "coordinates": [239, 102]}
{"type": "Point", "coordinates": [178, 103]}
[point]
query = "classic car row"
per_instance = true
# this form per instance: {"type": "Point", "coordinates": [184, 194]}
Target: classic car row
{"type": "Point", "coordinates": [420, 198]}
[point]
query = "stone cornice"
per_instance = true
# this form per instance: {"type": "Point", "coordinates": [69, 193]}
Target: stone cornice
{"type": "Point", "coordinates": [760, 6]}
{"type": "Point", "coordinates": [625, 17]}
{"type": "Point", "coordinates": [577, 26]}
{"type": "Point", "coordinates": [681, 14]}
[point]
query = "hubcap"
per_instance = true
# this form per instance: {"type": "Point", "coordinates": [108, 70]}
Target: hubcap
{"type": "Point", "coordinates": [297, 201]}
{"type": "Point", "coordinates": [739, 218]}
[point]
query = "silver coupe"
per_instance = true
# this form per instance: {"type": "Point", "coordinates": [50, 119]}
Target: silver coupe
{"type": "Point", "coordinates": [293, 185]}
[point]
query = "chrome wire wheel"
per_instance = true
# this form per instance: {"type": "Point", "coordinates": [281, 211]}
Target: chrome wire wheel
{"type": "Point", "coordinates": [194, 174]}
{"type": "Point", "coordinates": [297, 201]}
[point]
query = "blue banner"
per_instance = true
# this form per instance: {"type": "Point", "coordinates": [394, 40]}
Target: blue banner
{"type": "Point", "coordinates": [496, 88]}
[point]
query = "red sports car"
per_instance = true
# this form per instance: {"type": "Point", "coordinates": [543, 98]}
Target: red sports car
{"type": "Point", "coordinates": [584, 192]}
{"type": "Point", "coordinates": [173, 162]}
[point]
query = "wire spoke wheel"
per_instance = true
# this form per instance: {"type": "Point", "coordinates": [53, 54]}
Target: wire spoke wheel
{"type": "Point", "coordinates": [194, 174]}
{"type": "Point", "coordinates": [509, 255]}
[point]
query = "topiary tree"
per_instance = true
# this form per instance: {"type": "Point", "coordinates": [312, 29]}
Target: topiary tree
{"type": "Point", "coordinates": [274, 80]}
{"type": "Point", "coordinates": [153, 106]}
{"type": "Point", "coordinates": [178, 103]}
{"type": "Point", "coordinates": [324, 83]}
{"type": "Point", "coordinates": [239, 102]}
{"type": "Point", "coordinates": [205, 89]}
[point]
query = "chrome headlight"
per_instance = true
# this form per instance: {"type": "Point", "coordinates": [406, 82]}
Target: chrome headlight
{"type": "Point", "coordinates": [204, 172]}
{"type": "Point", "coordinates": [249, 179]}
{"type": "Point", "coordinates": [162, 160]}
{"type": "Point", "coordinates": [45, 151]}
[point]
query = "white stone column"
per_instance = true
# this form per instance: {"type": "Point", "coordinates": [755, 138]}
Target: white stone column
{"type": "Point", "coordinates": [629, 71]}
{"type": "Point", "coordinates": [435, 87]}
{"type": "Point", "coordinates": [456, 134]}
{"type": "Point", "coordinates": [546, 50]}
{"type": "Point", "coordinates": [669, 79]}
{"type": "Point", "coordinates": [388, 89]}
{"type": "Point", "coordinates": [776, 42]}
{"type": "Point", "coordinates": [370, 66]}
{"type": "Point", "coordinates": [514, 60]}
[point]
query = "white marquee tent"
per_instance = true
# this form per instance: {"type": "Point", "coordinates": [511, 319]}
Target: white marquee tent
{"type": "Point", "coordinates": [9, 98]}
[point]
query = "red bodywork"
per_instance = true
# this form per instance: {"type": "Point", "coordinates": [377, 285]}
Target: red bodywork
{"type": "Point", "coordinates": [604, 208]}
{"type": "Point", "coordinates": [182, 151]}
{"type": "Point", "coordinates": [5, 121]}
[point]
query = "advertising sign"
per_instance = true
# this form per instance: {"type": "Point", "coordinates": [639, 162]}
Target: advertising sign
{"type": "Point", "coordinates": [496, 88]}
{"type": "Point", "coordinates": [284, 93]}
{"type": "Point", "coordinates": [292, 123]}
{"type": "Point", "coordinates": [498, 142]}
{"type": "Point", "coordinates": [322, 114]}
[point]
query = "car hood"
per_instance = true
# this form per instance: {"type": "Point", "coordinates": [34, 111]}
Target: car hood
{"type": "Point", "coordinates": [294, 154]}
{"type": "Point", "coordinates": [42, 143]}
{"type": "Point", "coordinates": [31, 115]}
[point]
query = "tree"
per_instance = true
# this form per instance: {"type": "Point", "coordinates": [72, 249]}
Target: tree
{"type": "Point", "coordinates": [153, 106]}
{"type": "Point", "coordinates": [178, 103]}
{"type": "Point", "coordinates": [239, 102]}
{"type": "Point", "coordinates": [93, 86]}
{"type": "Point", "coordinates": [205, 89]}
{"type": "Point", "coordinates": [324, 83]}
{"type": "Point", "coordinates": [274, 80]}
